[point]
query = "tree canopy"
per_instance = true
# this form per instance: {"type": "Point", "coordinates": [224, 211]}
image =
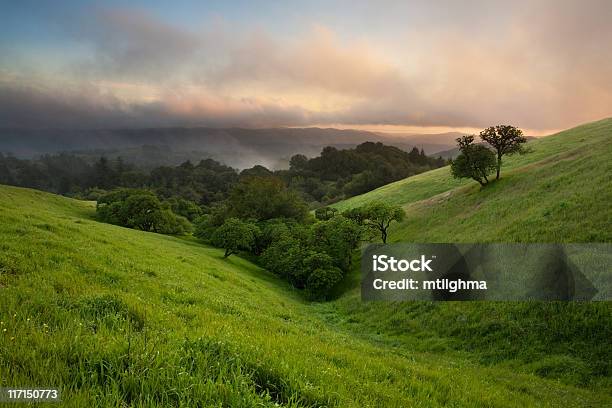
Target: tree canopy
{"type": "Point", "coordinates": [140, 209]}
{"type": "Point", "coordinates": [264, 198]}
{"type": "Point", "coordinates": [378, 216]}
{"type": "Point", "coordinates": [475, 161]}
{"type": "Point", "coordinates": [505, 140]}
{"type": "Point", "coordinates": [235, 235]}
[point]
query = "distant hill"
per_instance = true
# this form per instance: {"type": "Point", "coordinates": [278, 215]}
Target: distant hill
{"type": "Point", "coordinates": [145, 157]}
{"type": "Point", "coordinates": [430, 143]}
{"type": "Point", "coordinates": [434, 139]}
{"type": "Point", "coordinates": [236, 147]}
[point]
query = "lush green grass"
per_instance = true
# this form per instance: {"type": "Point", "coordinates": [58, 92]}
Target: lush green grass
{"type": "Point", "coordinates": [583, 141]}
{"type": "Point", "coordinates": [116, 316]}
{"type": "Point", "coordinates": [560, 192]}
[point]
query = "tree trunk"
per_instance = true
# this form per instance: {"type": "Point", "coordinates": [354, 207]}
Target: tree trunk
{"type": "Point", "coordinates": [498, 166]}
{"type": "Point", "coordinates": [384, 236]}
{"type": "Point", "coordinates": [228, 252]}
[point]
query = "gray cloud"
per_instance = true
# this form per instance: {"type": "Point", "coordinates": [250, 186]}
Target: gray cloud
{"type": "Point", "coordinates": [132, 43]}
{"type": "Point", "coordinates": [23, 106]}
{"type": "Point", "coordinates": [538, 65]}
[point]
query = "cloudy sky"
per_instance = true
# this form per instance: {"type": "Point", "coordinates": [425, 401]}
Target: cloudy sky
{"type": "Point", "coordinates": [390, 65]}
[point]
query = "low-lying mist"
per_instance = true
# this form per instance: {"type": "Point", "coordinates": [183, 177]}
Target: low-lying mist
{"type": "Point", "coordinates": [237, 147]}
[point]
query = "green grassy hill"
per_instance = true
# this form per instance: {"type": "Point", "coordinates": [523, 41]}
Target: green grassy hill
{"type": "Point", "coordinates": [118, 317]}
{"type": "Point", "coordinates": [560, 192]}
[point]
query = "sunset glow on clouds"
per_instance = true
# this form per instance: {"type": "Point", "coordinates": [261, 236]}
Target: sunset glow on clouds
{"type": "Point", "coordinates": [540, 65]}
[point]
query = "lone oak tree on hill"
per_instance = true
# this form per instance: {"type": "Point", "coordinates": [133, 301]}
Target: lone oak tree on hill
{"type": "Point", "coordinates": [504, 139]}
{"type": "Point", "coordinates": [475, 161]}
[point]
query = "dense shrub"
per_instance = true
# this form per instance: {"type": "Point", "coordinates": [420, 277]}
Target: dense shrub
{"type": "Point", "coordinates": [202, 228]}
{"type": "Point", "coordinates": [284, 258]}
{"type": "Point", "coordinates": [270, 231]}
{"type": "Point", "coordinates": [184, 208]}
{"type": "Point", "coordinates": [140, 209]}
{"type": "Point", "coordinates": [264, 198]}
{"type": "Point", "coordinates": [169, 223]}
{"type": "Point", "coordinates": [235, 235]}
{"type": "Point", "coordinates": [112, 213]}
{"type": "Point", "coordinates": [206, 224]}
{"type": "Point", "coordinates": [325, 213]}
{"type": "Point", "coordinates": [321, 281]}
{"type": "Point", "coordinates": [337, 237]}
{"type": "Point", "coordinates": [311, 255]}
{"type": "Point", "coordinates": [296, 251]}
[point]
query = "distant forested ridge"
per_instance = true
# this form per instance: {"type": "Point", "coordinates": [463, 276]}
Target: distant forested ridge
{"type": "Point", "coordinates": [67, 174]}
{"type": "Point", "coordinates": [235, 147]}
{"type": "Point", "coordinates": [338, 174]}
{"type": "Point", "coordinates": [333, 175]}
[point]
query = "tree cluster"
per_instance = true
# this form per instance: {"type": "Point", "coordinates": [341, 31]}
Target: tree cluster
{"type": "Point", "coordinates": [263, 218]}
{"type": "Point", "coordinates": [257, 212]}
{"type": "Point", "coordinates": [337, 174]}
{"type": "Point", "coordinates": [332, 176]}
{"type": "Point", "coordinates": [478, 161]}
{"type": "Point", "coordinates": [69, 174]}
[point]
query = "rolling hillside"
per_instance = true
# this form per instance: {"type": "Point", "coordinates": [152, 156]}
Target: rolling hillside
{"type": "Point", "coordinates": [118, 317]}
{"type": "Point", "coordinates": [560, 192]}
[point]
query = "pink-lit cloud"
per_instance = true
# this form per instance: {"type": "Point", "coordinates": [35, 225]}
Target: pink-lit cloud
{"type": "Point", "coordinates": [539, 66]}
